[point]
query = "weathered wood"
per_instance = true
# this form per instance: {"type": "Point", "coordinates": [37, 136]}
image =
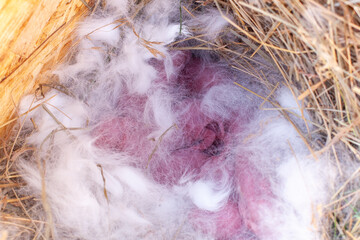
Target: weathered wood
{"type": "Point", "coordinates": [34, 35]}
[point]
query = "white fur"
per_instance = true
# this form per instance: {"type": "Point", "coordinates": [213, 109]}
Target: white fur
{"type": "Point", "coordinates": [129, 204]}
{"type": "Point", "coordinates": [205, 197]}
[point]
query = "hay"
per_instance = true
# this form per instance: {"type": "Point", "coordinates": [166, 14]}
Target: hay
{"type": "Point", "coordinates": [314, 44]}
{"type": "Point", "coordinates": [35, 36]}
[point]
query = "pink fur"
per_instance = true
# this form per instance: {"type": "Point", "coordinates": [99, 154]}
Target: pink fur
{"type": "Point", "coordinates": [197, 146]}
{"type": "Point", "coordinates": [167, 146]}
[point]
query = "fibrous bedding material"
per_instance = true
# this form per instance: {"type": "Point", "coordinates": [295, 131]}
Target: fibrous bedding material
{"type": "Point", "coordinates": [150, 139]}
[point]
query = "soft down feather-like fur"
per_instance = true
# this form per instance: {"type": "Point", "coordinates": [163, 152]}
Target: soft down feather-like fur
{"type": "Point", "coordinates": [158, 143]}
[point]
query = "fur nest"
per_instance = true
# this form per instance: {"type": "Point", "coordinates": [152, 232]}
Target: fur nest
{"type": "Point", "coordinates": [315, 46]}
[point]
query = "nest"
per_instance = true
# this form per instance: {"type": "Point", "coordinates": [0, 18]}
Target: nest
{"type": "Point", "coordinates": [314, 44]}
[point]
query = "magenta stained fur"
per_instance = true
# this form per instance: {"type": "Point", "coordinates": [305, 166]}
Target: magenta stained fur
{"type": "Point", "coordinates": [198, 145]}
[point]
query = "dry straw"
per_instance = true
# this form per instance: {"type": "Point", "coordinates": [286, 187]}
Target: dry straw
{"type": "Point", "coordinates": [314, 44]}
{"type": "Point", "coordinates": [316, 47]}
{"type": "Point", "coordinates": [35, 36]}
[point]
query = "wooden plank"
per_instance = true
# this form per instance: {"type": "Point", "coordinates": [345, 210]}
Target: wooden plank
{"type": "Point", "coordinates": [35, 35]}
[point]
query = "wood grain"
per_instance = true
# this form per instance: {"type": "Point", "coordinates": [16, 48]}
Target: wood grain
{"type": "Point", "coordinates": [35, 36]}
